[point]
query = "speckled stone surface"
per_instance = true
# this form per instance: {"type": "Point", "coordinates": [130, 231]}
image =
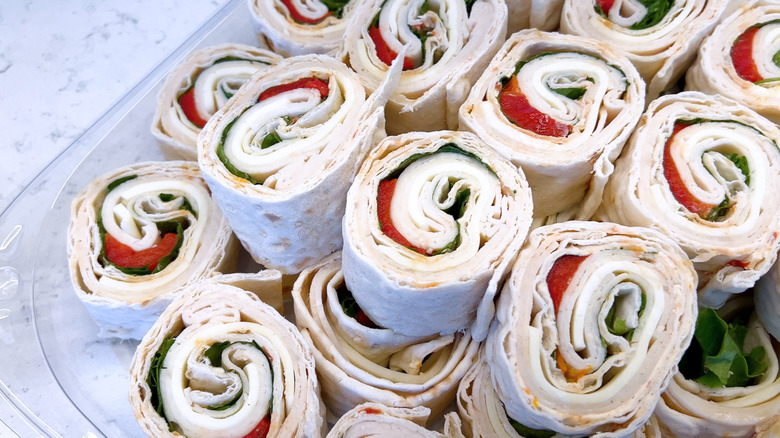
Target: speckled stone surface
{"type": "Point", "coordinates": [64, 63]}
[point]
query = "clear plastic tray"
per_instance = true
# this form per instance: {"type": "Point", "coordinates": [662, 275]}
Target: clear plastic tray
{"type": "Point", "coordinates": [57, 378]}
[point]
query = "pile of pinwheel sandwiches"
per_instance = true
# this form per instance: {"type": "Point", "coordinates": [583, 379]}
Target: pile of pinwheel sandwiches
{"type": "Point", "coordinates": [494, 219]}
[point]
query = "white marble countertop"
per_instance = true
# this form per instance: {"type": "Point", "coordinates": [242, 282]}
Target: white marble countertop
{"type": "Point", "coordinates": [63, 64]}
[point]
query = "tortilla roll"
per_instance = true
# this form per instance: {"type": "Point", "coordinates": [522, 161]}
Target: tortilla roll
{"type": "Point", "coordinates": [138, 236]}
{"type": "Point", "coordinates": [359, 362]}
{"type": "Point", "coordinates": [705, 171]}
{"type": "Point", "coordinates": [279, 157]}
{"type": "Point", "coordinates": [433, 221]}
{"type": "Point", "coordinates": [220, 362]}
{"type": "Point", "coordinates": [448, 44]}
{"type": "Point", "coordinates": [560, 107]}
{"type": "Point", "coordinates": [590, 326]}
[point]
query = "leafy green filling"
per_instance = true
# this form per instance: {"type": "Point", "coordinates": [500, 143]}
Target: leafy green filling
{"type": "Point", "coordinates": [214, 355]}
{"type": "Point", "coordinates": [164, 228]}
{"type": "Point", "coordinates": [741, 162]}
{"type": "Point", "coordinates": [167, 197]}
{"type": "Point", "coordinates": [656, 11]}
{"type": "Point", "coordinates": [716, 356]}
{"type": "Point", "coordinates": [448, 147]}
{"type": "Point", "coordinates": [153, 378]}
{"type": "Point", "coordinates": [776, 58]}
{"type": "Point", "coordinates": [223, 158]}
{"type": "Point", "coordinates": [528, 432]}
{"type": "Point", "coordinates": [117, 182]}
{"type": "Point", "coordinates": [270, 140]}
{"type": "Point", "coordinates": [617, 326]}
{"type": "Point", "coordinates": [571, 93]}
{"type": "Point", "coordinates": [348, 303]}
{"type": "Point", "coordinates": [336, 6]}
{"type": "Point", "coordinates": [600, 10]}
{"type": "Point", "coordinates": [469, 5]}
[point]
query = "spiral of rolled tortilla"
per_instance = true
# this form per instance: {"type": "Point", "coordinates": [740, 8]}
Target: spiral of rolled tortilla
{"type": "Point", "coordinates": [433, 221]}
{"type": "Point", "coordinates": [767, 298]}
{"type": "Point", "coordinates": [358, 361]}
{"type": "Point", "coordinates": [300, 27]}
{"type": "Point", "coordinates": [690, 407]}
{"type": "Point", "coordinates": [374, 420]}
{"type": "Point", "coordinates": [448, 44]}
{"type": "Point", "coordinates": [659, 36]}
{"type": "Point", "coordinates": [137, 236]}
{"type": "Point", "coordinates": [590, 326]}
{"type": "Point", "coordinates": [561, 107]}
{"type": "Point", "coordinates": [741, 59]}
{"type": "Point", "coordinates": [705, 171]}
{"type": "Point", "coordinates": [221, 363]}
{"type": "Point", "coordinates": [279, 157]}
{"type": "Point", "coordinates": [197, 88]}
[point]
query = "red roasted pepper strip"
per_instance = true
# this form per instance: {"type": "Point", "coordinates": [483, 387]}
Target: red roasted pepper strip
{"type": "Point", "coordinates": [383, 51]}
{"type": "Point", "coordinates": [364, 320]}
{"type": "Point", "coordinates": [742, 56]}
{"type": "Point", "coordinates": [676, 186]}
{"type": "Point", "coordinates": [125, 257]}
{"type": "Point", "coordinates": [371, 411]}
{"type": "Point", "coordinates": [605, 5]}
{"type": "Point", "coordinates": [560, 276]}
{"type": "Point", "coordinates": [384, 199]}
{"type": "Point", "coordinates": [516, 108]}
{"type": "Point", "coordinates": [187, 103]}
{"type": "Point", "coordinates": [261, 430]}
{"type": "Point", "coordinates": [315, 83]}
{"type": "Point", "coordinates": [301, 18]}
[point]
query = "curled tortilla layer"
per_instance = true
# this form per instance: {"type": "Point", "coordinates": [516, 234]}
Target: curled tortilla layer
{"type": "Point", "coordinates": [574, 82]}
{"type": "Point", "coordinates": [691, 409]}
{"type": "Point", "coordinates": [661, 45]}
{"type": "Point", "coordinates": [301, 27]}
{"type": "Point", "coordinates": [715, 73]}
{"type": "Point", "coordinates": [374, 420]}
{"type": "Point", "coordinates": [211, 76]}
{"type": "Point", "coordinates": [590, 326]}
{"type": "Point", "coordinates": [358, 363]}
{"type": "Point", "coordinates": [705, 171]}
{"type": "Point", "coordinates": [131, 204]}
{"type": "Point", "coordinates": [446, 49]}
{"type": "Point", "coordinates": [464, 210]}
{"type": "Point", "coordinates": [220, 362]}
{"type": "Point", "coordinates": [280, 155]}
{"type": "Point", "coordinates": [533, 14]}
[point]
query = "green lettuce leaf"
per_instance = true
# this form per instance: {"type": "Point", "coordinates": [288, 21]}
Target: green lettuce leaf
{"type": "Point", "coordinates": [716, 357]}
{"type": "Point", "coordinates": [528, 432]}
{"type": "Point", "coordinates": [656, 11]}
{"type": "Point", "coordinates": [153, 378]}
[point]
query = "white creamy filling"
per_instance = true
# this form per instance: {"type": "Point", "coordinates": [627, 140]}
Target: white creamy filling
{"type": "Point", "coordinates": [604, 87]}
{"type": "Point", "coordinates": [699, 152]}
{"type": "Point", "coordinates": [428, 187]}
{"type": "Point", "coordinates": [216, 81]}
{"type": "Point", "coordinates": [316, 121]}
{"type": "Point", "coordinates": [311, 9]}
{"type": "Point", "coordinates": [640, 40]}
{"type": "Point", "coordinates": [186, 379]}
{"type": "Point", "coordinates": [130, 211]}
{"type": "Point", "coordinates": [766, 44]}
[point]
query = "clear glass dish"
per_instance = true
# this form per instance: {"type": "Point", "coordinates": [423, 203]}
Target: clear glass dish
{"type": "Point", "coordinates": [57, 378]}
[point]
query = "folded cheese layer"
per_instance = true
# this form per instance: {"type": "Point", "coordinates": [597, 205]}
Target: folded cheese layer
{"type": "Point", "coordinates": [705, 171]}
{"type": "Point", "coordinates": [220, 362]}
{"type": "Point", "coordinates": [446, 44]}
{"type": "Point", "coordinates": [280, 155]}
{"type": "Point", "coordinates": [590, 326]}
{"type": "Point", "coordinates": [660, 40]}
{"type": "Point", "coordinates": [740, 59]}
{"type": "Point", "coordinates": [357, 361]}
{"type": "Point", "coordinates": [560, 107]}
{"type": "Point", "coordinates": [138, 235]}
{"type": "Point", "coordinates": [433, 220]}
{"type": "Point", "coordinates": [197, 88]}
